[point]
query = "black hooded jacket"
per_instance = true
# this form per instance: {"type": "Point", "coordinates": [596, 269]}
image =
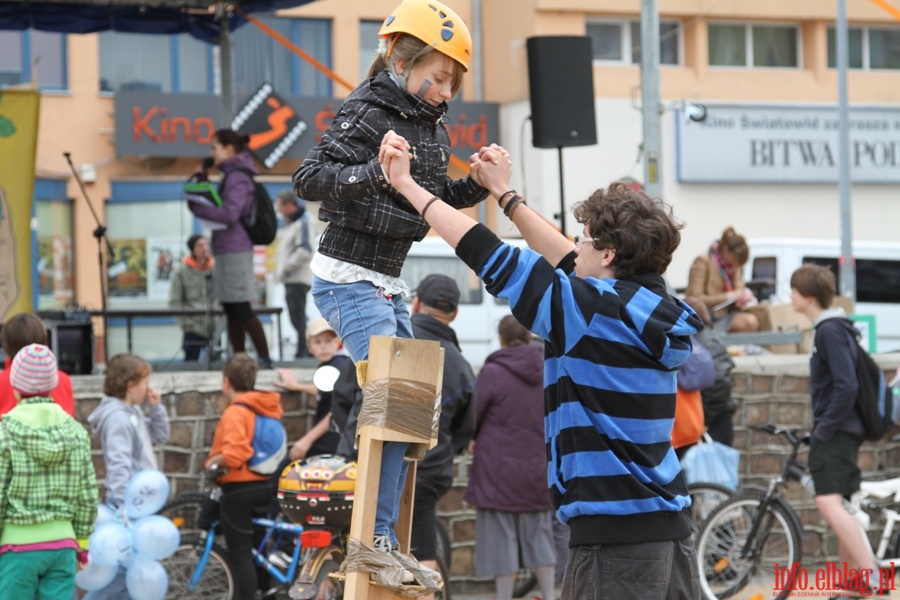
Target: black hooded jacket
{"type": "Point", "coordinates": [369, 223]}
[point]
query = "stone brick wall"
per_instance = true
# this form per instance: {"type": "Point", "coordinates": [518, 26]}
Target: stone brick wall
{"type": "Point", "coordinates": [771, 389]}
{"type": "Point", "coordinates": [195, 403]}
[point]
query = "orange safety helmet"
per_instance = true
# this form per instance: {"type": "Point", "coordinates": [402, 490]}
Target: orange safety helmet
{"type": "Point", "coordinates": [435, 24]}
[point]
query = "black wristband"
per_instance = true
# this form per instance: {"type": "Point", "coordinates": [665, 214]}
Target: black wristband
{"type": "Point", "coordinates": [512, 204]}
{"type": "Point", "coordinates": [504, 195]}
{"type": "Point", "coordinates": [521, 201]}
{"type": "Point", "coordinates": [428, 204]}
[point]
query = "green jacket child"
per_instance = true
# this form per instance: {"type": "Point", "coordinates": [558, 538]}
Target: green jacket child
{"type": "Point", "coordinates": [48, 490]}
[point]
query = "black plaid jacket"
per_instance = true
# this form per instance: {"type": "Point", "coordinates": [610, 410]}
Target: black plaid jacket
{"type": "Point", "coordinates": [369, 223]}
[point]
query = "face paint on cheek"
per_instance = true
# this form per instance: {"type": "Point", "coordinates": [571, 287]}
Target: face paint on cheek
{"type": "Point", "coordinates": [426, 85]}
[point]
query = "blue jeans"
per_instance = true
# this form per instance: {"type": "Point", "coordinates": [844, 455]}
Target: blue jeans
{"type": "Point", "coordinates": [358, 311]}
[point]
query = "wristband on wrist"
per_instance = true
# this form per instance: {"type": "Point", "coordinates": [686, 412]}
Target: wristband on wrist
{"type": "Point", "coordinates": [504, 195]}
{"type": "Point", "coordinates": [428, 205]}
{"type": "Point", "coordinates": [520, 202]}
{"type": "Point", "coordinates": [512, 205]}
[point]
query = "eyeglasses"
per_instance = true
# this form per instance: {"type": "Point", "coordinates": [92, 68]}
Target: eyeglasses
{"type": "Point", "coordinates": [580, 240]}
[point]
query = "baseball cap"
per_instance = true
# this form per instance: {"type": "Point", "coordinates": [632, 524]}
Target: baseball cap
{"type": "Point", "coordinates": [439, 291]}
{"type": "Point", "coordinates": [318, 326]}
{"type": "Point", "coordinates": [33, 371]}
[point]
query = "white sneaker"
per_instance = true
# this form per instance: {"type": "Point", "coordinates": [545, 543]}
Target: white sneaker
{"type": "Point", "coordinates": [382, 543]}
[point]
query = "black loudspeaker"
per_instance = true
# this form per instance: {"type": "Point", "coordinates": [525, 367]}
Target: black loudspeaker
{"type": "Point", "coordinates": [73, 344]}
{"type": "Point", "coordinates": [561, 79]}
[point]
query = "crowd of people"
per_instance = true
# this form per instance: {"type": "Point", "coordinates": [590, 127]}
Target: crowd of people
{"type": "Point", "coordinates": [569, 422]}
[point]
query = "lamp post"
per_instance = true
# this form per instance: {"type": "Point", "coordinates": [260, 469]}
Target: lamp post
{"type": "Point", "coordinates": [650, 98]}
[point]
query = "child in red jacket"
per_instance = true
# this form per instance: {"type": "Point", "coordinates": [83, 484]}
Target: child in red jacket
{"type": "Point", "coordinates": [245, 494]}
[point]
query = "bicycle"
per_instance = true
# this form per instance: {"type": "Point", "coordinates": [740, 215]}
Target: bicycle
{"type": "Point", "coordinates": [753, 542]}
{"type": "Point", "coordinates": [199, 567]}
{"type": "Point", "coordinates": [326, 519]}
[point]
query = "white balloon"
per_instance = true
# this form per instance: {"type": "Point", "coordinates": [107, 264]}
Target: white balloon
{"type": "Point", "coordinates": [146, 493]}
{"type": "Point", "coordinates": [146, 579]}
{"type": "Point", "coordinates": [155, 536]}
{"type": "Point", "coordinates": [109, 544]}
{"type": "Point", "coordinates": [95, 577]}
{"type": "Point", "coordinates": [325, 377]}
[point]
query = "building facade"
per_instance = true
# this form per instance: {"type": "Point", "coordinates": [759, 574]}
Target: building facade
{"type": "Point", "coordinates": [763, 160]}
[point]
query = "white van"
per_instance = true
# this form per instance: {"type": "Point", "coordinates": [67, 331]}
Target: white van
{"type": "Point", "coordinates": [479, 312]}
{"type": "Point", "coordinates": [877, 276]}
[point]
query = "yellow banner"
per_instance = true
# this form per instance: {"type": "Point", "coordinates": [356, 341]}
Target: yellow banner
{"type": "Point", "coordinates": [18, 148]}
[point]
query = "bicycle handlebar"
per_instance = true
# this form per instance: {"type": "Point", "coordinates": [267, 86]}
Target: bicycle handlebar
{"type": "Point", "coordinates": [794, 436]}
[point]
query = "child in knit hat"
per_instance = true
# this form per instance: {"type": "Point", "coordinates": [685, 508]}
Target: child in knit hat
{"type": "Point", "coordinates": [48, 491]}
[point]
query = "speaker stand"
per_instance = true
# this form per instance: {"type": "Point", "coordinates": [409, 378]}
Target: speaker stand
{"type": "Point", "coordinates": [562, 193]}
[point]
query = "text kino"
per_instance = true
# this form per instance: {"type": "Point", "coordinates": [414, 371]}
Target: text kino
{"type": "Point", "coordinates": [818, 153]}
{"type": "Point", "coordinates": [157, 125]}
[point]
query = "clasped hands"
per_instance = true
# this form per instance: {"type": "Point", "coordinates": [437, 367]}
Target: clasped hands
{"type": "Point", "coordinates": [491, 166]}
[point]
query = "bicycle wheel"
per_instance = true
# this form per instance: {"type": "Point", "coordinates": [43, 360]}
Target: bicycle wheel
{"type": "Point", "coordinates": [705, 497]}
{"type": "Point", "coordinates": [442, 568]}
{"type": "Point", "coordinates": [725, 569]}
{"type": "Point", "coordinates": [331, 589]}
{"type": "Point", "coordinates": [184, 511]}
{"type": "Point", "coordinates": [215, 583]}
{"type": "Point", "coordinates": [444, 550]}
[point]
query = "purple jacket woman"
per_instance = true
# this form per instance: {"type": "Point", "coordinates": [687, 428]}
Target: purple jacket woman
{"type": "Point", "coordinates": [509, 468]}
{"type": "Point", "coordinates": [234, 283]}
{"type": "Point", "coordinates": [237, 198]}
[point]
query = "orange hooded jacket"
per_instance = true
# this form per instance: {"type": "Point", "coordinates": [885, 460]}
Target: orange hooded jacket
{"type": "Point", "coordinates": [234, 433]}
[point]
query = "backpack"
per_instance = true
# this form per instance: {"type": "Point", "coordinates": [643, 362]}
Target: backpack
{"type": "Point", "coordinates": [698, 372]}
{"type": "Point", "coordinates": [269, 443]}
{"type": "Point", "coordinates": [874, 400]}
{"type": "Point", "coordinates": [262, 224]}
{"type": "Point", "coordinates": [717, 397]}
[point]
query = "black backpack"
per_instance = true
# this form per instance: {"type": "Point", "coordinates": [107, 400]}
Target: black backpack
{"type": "Point", "coordinates": [875, 401]}
{"type": "Point", "coordinates": [262, 224]}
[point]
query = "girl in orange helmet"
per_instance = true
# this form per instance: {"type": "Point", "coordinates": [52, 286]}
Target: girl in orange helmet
{"type": "Point", "coordinates": [424, 50]}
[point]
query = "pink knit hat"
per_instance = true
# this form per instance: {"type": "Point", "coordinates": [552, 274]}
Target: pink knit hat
{"type": "Point", "coordinates": [33, 371]}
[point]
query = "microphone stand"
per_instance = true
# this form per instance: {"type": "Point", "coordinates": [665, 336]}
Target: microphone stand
{"type": "Point", "coordinates": [100, 235]}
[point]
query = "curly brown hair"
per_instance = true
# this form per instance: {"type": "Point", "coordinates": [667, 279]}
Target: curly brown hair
{"type": "Point", "coordinates": [121, 370]}
{"type": "Point", "coordinates": [642, 230]}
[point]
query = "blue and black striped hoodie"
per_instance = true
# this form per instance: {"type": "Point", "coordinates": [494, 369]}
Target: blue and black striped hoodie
{"type": "Point", "coordinates": [612, 350]}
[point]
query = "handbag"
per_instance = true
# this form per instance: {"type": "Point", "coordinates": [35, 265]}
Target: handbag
{"type": "Point", "coordinates": [712, 462]}
{"type": "Point", "coordinates": [688, 426]}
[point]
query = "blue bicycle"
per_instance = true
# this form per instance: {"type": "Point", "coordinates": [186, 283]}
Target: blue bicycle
{"type": "Point", "coordinates": [199, 568]}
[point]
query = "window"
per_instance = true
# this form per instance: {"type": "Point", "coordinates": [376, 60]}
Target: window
{"type": "Point", "coordinates": [621, 42]}
{"type": "Point", "coordinates": [33, 55]}
{"type": "Point", "coordinates": [174, 63]}
{"type": "Point", "coordinates": [258, 58]}
{"type": "Point", "coordinates": [416, 268]}
{"type": "Point", "coordinates": [753, 45]}
{"type": "Point", "coordinates": [876, 280]}
{"type": "Point", "coordinates": [368, 44]}
{"type": "Point", "coordinates": [54, 269]}
{"type": "Point", "coordinates": [855, 39]}
{"type": "Point", "coordinates": [870, 48]}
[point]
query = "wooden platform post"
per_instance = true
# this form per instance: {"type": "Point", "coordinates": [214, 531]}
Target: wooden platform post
{"type": "Point", "coordinates": [398, 360]}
